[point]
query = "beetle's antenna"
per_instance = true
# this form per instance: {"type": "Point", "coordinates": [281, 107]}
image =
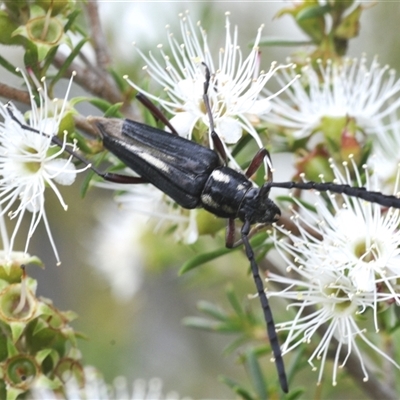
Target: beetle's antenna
{"type": "Point", "coordinates": [214, 136]}
{"type": "Point", "coordinates": [359, 192]}
{"type": "Point", "coordinates": [273, 337]}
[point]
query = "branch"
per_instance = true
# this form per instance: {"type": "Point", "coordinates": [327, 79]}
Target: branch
{"type": "Point", "coordinates": [98, 39]}
{"type": "Point", "coordinates": [90, 79]}
{"type": "Point", "coordinates": [11, 93]}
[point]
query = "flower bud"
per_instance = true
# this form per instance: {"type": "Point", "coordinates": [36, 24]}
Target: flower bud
{"type": "Point", "coordinates": [349, 145]}
{"type": "Point", "coordinates": [332, 128]}
{"type": "Point", "coordinates": [315, 164]}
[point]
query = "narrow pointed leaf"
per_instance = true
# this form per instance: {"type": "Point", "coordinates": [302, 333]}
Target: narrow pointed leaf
{"type": "Point", "coordinates": [201, 259]}
{"type": "Point", "coordinates": [8, 66]}
{"type": "Point", "coordinates": [121, 83]}
{"type": "Point", "coordinates": [205, 324]}
{"type": "Point", "coordinates": [256, 375]}
{"type": "Point", "coordinates": [234, 301]}
{"type": "Point", "coordinates": [90, 174]}
{"type": "Point", "coordinates": [71, 19]}
{"type": "Point", "coordinates": [237, 388]}
{"type": "Point", "coordinates": [113, 111]}
{"type": "Point", "coordinates": [212, 310]}
{"type": "Point", "coordinates": [233, 346]}
{"type": "Point", "coordinates": [68, 61]}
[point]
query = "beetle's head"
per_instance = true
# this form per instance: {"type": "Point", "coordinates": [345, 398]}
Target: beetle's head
{"type": "Point", "coordinates": [257, 207]}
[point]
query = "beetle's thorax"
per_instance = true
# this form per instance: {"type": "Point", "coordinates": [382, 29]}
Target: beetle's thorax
{"type": "Point", "coordinates": [224, 192]}
{"type": "Point", "coordinates": [230, 194]}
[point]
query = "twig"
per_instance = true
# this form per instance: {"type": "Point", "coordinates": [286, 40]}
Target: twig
{"type": "Point", "coordinates": [98, 39]}
{"type": "Point", "coordinates": [10, 93]}
{"type": "Point", "coordinates": [89, 79]}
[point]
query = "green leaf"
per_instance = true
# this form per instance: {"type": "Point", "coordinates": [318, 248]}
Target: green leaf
{"type": "Point", "coordinates": [86, 182]}
{"type": "Point", "coordinates": [71, 19]}
{"type": "Point", "coordinates": [313, 12]}
{"type": "Point", "coordinates": [103, 105]}
{"type": "Point", "coordinates": [235, 386]}
{"type": "Point", "coordinates": [234, 301]}
{"type": "Point", "coordinates": [49, 59]}
{"type": "Point", "coordinates": [68, 61]}
{"type": "Point", "coordinates": [212, 310]}
{"type": "Point", "coordinates": [206, 324]}
{"type": "Point", "coordinates": [243, 142]}
{"type": "Point", "coordinates": [119, 80]}
{"type": "Point", "coordinates": [235, 344]}
{"type": "Point", "coordinates": [276, 41]}
{"type": "Point", "coordinates": [97, 159]}
{"type": "Point", "coordinates": [113, 111]}
{"type": "Point", "coordinates": [296, 393]}
{"type": "Point", "coordinates": [296, 363]}
{"type": "Point", "coordinates": [256, 374]}
{"type": "Point", "coordinates": [31, 58]}
{"type": "Point", "coordinates": [201, 259]}
{"type": "Point", "coordinates": [8, 66]}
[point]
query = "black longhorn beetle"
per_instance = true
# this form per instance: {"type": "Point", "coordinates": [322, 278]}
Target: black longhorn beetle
{"type": "Point", "coordinates": [195, 176]}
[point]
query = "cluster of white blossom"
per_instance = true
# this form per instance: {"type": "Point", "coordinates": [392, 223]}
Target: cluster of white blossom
{"type": "Point", "coordinates": [344, 260]}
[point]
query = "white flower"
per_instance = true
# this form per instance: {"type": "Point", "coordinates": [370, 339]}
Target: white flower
{"type": "Point", "coordinates": [347, 256]}
{"type": "Point", "coordinates": [116, 250]}
{"type": "Point", "coordinates": [161, 211]}
{"type": "Point", "coordinates": [336, 304]}
{"type": "Point", "coordinates": [30, 163]}
{"type": "Point", "coordinates": [96, 388]}
{"type": "Point", "coordinates": [347, 90]}
{"type": "Point", "coordinates": [234, 89]}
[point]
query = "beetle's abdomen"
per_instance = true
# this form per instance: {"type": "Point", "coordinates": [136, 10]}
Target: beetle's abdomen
{"type": "Point", "coordinates": [224, 191]}
{"type": "Point", "coordinates": [177, 166]}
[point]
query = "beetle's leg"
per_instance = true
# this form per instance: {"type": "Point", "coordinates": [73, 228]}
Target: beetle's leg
{"type": "Point", "coordinates": [230, 242]}
{"type": "Point", "coordinates": [257, 161]}
{"type": "Point", "coordinates": [214, 136]}
{"type": "Point", "coordinates": [230, 234]}
{"type": "Point", "coordinates": [155, 112]}
{"type": "Point", "coordinates": [119, 178]}
{"type": "Point", "coordinates": [273, 337]}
